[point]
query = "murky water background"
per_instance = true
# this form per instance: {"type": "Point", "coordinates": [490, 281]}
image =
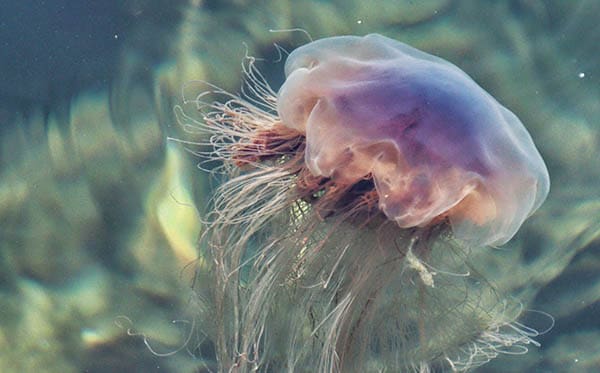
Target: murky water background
{"type": "Point", "coordinates": [99, 213]}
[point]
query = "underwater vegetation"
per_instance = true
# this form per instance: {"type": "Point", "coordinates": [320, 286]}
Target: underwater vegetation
{"type": "Point", "coordinates": [358, 205]}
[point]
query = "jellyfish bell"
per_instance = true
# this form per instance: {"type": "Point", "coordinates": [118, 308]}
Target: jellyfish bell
{"type": "Point", "coordinates": [434, 142]}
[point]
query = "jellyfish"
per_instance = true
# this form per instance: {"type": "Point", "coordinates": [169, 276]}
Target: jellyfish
{"type": "Point", "coordinates": [354, 206]}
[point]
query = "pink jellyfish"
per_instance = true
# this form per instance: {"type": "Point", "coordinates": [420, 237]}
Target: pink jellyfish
{"type": "Point", "coordinates": [339, 187]}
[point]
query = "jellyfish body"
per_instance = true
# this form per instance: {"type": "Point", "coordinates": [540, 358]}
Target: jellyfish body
{"type": "Point", "coordinates": [307, 263]}
{"type": "Point", "coordinates": [435, 143]}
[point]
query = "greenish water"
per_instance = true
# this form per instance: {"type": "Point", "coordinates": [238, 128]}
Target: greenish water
{"type": "Point", "coordinates": [100, 213]}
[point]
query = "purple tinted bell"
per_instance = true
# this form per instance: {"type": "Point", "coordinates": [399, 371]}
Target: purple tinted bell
{"type": "Point", "coordinates": [435, 144]}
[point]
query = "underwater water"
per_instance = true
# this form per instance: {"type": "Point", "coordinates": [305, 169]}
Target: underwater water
{"type": "Point", "coordinates": [101, 214]}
